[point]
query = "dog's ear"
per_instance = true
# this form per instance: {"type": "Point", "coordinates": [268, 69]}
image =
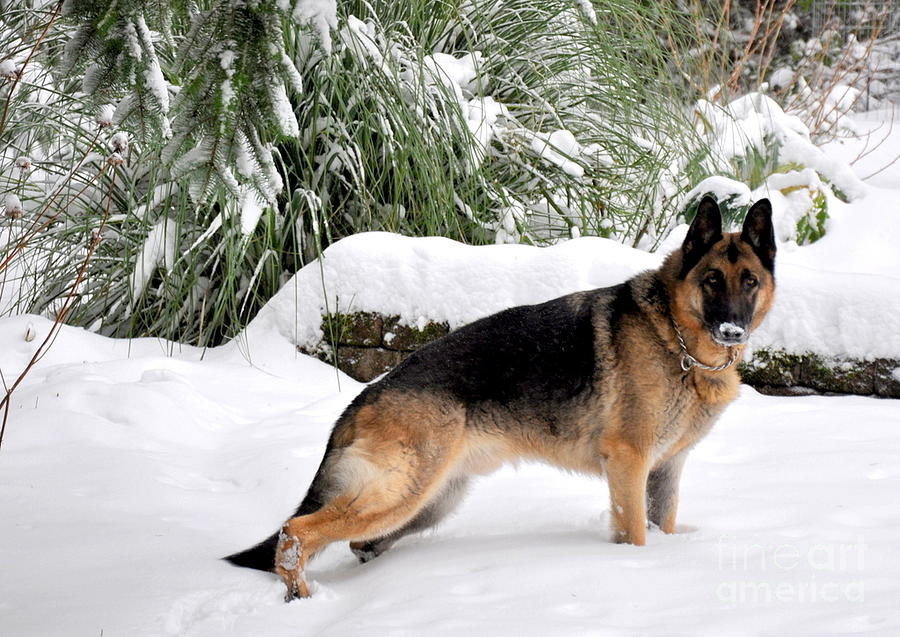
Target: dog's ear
{"type": "Point", "coordinates": [760, 234]}
{"type": "Point", "coordinates": [705, 230]}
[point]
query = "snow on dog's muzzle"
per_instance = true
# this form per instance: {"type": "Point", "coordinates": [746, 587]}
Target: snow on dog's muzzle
{"type": "Point", "coordinates": [730, 334]}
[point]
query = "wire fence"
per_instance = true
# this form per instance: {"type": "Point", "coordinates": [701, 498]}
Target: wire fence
{"type": "Point", "coordinates": [865, 19]}
{"type": "Point", "coordinates": [875, 26]}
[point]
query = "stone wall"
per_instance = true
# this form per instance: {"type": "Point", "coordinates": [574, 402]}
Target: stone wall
{"type": "Point", "coordinates": [784, 373]}
{"type": "Point", "coordinates": [369, 344]}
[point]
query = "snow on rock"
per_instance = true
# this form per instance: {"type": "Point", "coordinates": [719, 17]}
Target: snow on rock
{"type": "Point", "coordinates": [438, 279]}
{"type": "Point", "coordinates": [838, 297]}
{"type": "Point", "coordinates": [833, 314]}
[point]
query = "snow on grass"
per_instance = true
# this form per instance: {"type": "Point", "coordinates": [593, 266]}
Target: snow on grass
{"type": "Point", "coordinates": [481, 115]}
{"type": "Point", "coordinates": [158, 250]}
{"type": "Point", "coordinates": [125, 476]}
{"type": "Point", "coordinates": [557, 148]}
{"type": "Point", "coordinates": [361, 39]}
{"type": "Point", "coordinates": [456, 73]}
{"type": "Point", "coordinates": [748, 122]}
{"type": "Point", "coordinates": [321, 15]}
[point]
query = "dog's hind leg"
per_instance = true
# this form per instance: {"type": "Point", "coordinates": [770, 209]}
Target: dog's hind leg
{"type": "Point", "coordinates": [435, 511]}
{"type": "Point", "coordinates": [375, 502]}
{"type": "Point", "coordinates": [401, 457]}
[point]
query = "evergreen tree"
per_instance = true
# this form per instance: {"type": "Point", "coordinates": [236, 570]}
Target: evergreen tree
{"type": "Point", "coordinates": [250, 134]}
{"type": "Point", "coordinates": [211, 83]}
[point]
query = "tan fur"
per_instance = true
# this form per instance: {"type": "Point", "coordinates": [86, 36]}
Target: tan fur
{"type": "Point", "coordinates": [401, 453]}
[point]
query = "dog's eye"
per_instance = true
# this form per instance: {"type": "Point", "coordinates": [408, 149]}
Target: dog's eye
{"type": "Point", "coordinates": [751, 282]}
{"type": "Point", "coordinates": [713, 278]}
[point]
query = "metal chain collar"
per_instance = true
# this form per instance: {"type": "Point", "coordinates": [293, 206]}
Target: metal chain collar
{"type": "Point", "coordinates": [688, 361]}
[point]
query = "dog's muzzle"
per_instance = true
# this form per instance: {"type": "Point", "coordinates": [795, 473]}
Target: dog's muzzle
{"type": "Point", "coordinates": [730, 334]}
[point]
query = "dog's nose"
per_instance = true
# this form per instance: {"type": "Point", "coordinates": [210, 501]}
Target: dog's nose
{"type": "Point", "coordinates": [731, 332]}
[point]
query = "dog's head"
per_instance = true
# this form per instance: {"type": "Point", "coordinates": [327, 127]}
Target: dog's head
{"type": "Point", "coordinates": [726, 282]}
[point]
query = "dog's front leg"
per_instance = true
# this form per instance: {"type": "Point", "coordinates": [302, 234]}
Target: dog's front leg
{"type": "Point", "coordinates": [662, 492]}
{"type": "Point", "coordinates": [626, 470]}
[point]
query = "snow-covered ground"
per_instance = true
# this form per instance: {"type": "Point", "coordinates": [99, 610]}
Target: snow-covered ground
{"type": "Point", "coordinates": [124, 478]}
{"type": "Point", "coordinates": [130, 467]}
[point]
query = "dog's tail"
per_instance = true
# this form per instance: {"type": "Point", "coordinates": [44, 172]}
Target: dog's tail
{"type": "Point", "coordinates": [261, 557]}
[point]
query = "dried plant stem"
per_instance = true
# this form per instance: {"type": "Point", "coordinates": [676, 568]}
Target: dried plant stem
{"type": "Point", "coordinates": [37, 227]}
{"type": "Point", "coordinates": [31, 53]}
{"type": "Point", "coordinates": [63, 311]}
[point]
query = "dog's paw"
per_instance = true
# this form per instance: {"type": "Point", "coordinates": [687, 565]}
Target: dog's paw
{"type": "Point", "coordinates": [288, 566]}
{"type": "Point", "coordinates": [365, 551]}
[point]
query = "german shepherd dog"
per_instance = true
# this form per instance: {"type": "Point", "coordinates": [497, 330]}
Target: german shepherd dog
{"type": "Point", "coordinates": [621, 381]}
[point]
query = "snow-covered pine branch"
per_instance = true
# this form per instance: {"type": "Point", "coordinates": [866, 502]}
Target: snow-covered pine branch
{"type": "Point", "coordinates": [212, 100]}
